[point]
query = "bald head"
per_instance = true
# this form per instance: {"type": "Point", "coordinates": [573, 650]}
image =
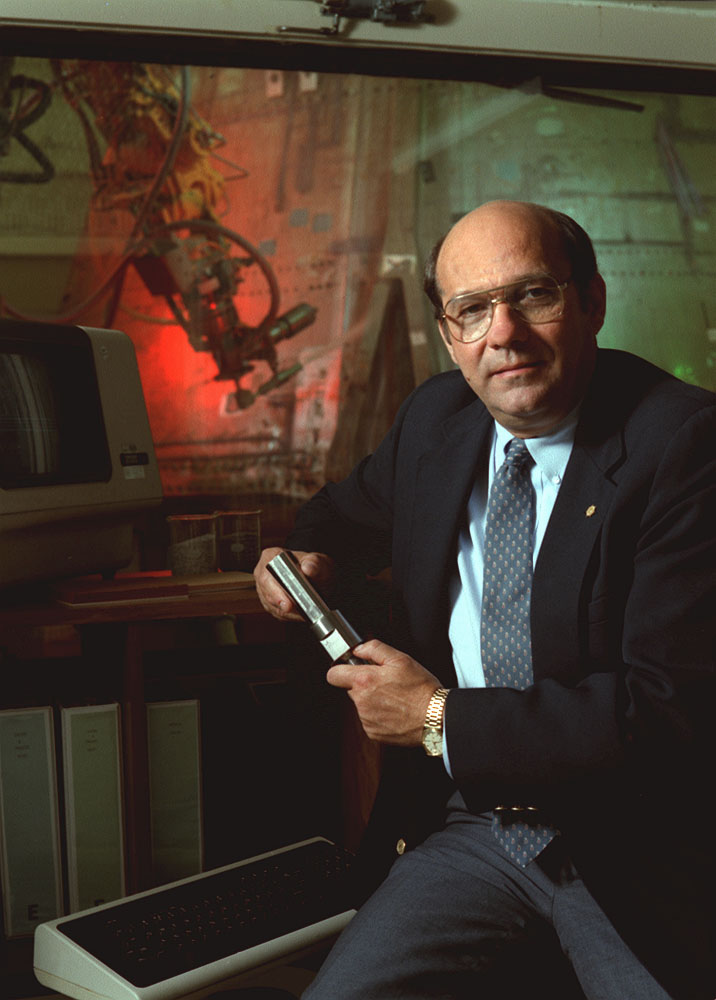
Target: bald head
{"type": "Point", "coordinates": [556, 228]}
{"type": "Point", "coordinates": [487, 221]}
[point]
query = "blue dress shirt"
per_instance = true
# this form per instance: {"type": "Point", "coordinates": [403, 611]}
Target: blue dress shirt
{"type": "Point", "coordinates": [551, 454]}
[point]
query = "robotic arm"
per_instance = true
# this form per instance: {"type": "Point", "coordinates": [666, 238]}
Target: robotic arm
{"type": "Point", "coordinates": [149, 154]}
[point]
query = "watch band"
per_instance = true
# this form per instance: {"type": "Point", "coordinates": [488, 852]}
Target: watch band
{"type": "Point", "coordinates": [433, 726]}
{"type": "Point", "coordinates": [436, 708]}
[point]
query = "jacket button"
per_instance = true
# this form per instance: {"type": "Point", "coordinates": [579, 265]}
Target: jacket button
{"type": "Point", "coordinates": [400, 846]}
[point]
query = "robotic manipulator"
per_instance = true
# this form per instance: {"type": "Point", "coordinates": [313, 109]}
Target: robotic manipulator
{"type": "Point", "coordinates": [337, 637]}
{"type": "Point", "coordinates": [150, 156]}
{"type": "Point", "coordinates": [199, 279]}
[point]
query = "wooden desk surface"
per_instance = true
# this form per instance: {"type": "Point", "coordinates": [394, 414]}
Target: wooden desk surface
{"type": "Point", "coordinates": [154, 597]}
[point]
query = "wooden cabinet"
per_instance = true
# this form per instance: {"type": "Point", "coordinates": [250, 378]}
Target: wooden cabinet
{"type": "Point", "coordinates": [272, 729]}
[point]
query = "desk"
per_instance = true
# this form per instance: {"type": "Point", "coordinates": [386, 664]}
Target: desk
{"type": "Point", "coordinates": [125, 631]}
{"type": "Point", "coordinates": [128, 628]}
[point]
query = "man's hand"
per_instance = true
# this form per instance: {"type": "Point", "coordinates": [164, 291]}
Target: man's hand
{"type": "Point", "coordinates": [390, 691]}
{"type": "Point", "coordinates": [319, 569]}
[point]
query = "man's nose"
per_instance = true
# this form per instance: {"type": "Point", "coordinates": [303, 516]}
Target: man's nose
{"type": "Point", "coordinates": [507, 325]}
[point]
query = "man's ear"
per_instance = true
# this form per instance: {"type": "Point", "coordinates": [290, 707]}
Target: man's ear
{"type": "Point", "coordinates": [442, 327]}
{"type": "Point", "coordinates": [596, 301]}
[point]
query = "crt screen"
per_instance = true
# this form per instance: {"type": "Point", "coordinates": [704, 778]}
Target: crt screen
{"type": "Point", "coordinates": [51, 426]}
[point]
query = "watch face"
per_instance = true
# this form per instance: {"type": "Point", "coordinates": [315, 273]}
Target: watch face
{"type": "Point", "coordinates": [433, 742]}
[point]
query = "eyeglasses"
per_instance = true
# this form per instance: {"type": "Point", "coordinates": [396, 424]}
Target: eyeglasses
{"type": "Point", "coordinates": [539, 299]}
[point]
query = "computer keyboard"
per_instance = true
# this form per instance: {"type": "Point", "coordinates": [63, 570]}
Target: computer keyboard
{"type": "Point", "coordinates": [179, 939]}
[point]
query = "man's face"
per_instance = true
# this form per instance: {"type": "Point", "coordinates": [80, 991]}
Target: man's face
{"type": "Point", "coordinates": [529, 376]}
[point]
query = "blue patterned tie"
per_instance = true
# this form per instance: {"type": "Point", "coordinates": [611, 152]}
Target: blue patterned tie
{"type": "Point", "coordinates": [505, 622]}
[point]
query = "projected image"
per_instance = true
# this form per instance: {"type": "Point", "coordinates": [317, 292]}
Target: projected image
{"type": "Point", "coordinates": [260, 235]}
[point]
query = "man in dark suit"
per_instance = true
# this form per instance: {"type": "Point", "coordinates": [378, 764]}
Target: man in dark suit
{"type": "Point", "coordinates": [606, 749]}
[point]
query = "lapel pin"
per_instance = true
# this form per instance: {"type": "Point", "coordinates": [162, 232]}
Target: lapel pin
{"type": "Point", "coordinates": [591, 509]}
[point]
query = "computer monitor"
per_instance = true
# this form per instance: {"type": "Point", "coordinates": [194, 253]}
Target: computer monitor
{"type": "Point", "coordinates": [77, 462]}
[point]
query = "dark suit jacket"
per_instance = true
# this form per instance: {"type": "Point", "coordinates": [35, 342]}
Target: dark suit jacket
{"type": "Point", "coordinates": [614, 739]}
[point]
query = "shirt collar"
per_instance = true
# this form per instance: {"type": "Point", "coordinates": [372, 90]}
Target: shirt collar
{"type": "Point", "coordinates": [550, 452]}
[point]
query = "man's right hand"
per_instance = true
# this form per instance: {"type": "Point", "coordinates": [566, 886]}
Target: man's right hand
{"type": "Point", "coordinates": [318, 567]}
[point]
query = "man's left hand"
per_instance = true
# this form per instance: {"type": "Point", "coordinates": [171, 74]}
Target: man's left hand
{"type": "Point", "coordinates": [390, 691]}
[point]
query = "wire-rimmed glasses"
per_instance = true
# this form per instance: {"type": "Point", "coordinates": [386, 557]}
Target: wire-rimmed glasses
{"type": "Point", "coordinates": [537, 299]}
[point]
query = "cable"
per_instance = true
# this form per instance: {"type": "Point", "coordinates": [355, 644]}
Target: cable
{"type": "Point", "coordinates": [130, 250]}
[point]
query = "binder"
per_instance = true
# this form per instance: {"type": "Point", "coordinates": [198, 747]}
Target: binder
{"type": "Point", "coordinates": [175, 791]}
{"type": "Point", "coordinates": [30, 860]}
{"type": "Point", "coordinates": [94, 813]}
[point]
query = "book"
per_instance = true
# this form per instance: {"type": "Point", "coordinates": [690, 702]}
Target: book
{"type": "Point", "coordinates": [94, 591]}
{"type": "Point", "coordinates": [219, 583]}
{"type": "Point", "coordinates": [94, 813]}
{"type": "Point", "coordinates": [175, 793]}
{"type": "Point", "coordinates": [30, 861]}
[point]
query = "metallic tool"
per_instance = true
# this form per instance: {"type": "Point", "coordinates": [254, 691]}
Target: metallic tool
{"type": "Point", "coordinates": [337, 637]}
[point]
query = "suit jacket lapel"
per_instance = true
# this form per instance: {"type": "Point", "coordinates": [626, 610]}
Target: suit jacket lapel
{"type": "Point", "coordinates": [444, 479]}
{"type": "Point", "coordinates": [584, 498]}
{"type": "Point", "coordinates": [558, 612]}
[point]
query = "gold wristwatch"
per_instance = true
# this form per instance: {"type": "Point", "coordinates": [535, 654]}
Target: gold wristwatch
{"type": "Point", "coordinates": [433, 728]}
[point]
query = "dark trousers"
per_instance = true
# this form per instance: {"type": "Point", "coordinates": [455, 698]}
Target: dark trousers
{"type": "Point", "coordinates": [457, 919]}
